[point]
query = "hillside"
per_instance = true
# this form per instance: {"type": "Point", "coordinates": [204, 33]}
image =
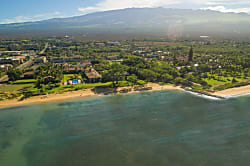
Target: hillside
{"type": "Point", "coordinates": [147, 22]}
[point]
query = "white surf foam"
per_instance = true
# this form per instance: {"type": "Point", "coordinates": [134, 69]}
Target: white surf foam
{"type": "Point", "coordinates": [204, 96]}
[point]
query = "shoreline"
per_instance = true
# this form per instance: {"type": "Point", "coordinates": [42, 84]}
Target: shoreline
{"type": "Point", "coordinates": [228, 93]}
{"type": "Point", "coordinates": [233, 92]}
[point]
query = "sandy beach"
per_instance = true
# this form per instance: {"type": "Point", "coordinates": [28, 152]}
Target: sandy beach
{"type": "Point", "coordinates": [80, 94]}
{"type": "Point", "coordinates": [88, 93]}
{"type": "Point", "coordinates": [233, 92]}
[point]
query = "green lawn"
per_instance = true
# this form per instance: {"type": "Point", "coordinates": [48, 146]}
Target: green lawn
{"type": "Point", "coordinates": [214, 82]}
{"type": "Point", "coordinates": [27, 81]}
{"type": "Point", "coordinates": [91, 85]}
{"type": "Point", "coordinates": [220, 80]}
{"type": "Point", "coordinates": [65, 88]}
{"type": "Point", "coordinates": [70, 76]}
{"type": "Point", "coordinates": [14, 88]}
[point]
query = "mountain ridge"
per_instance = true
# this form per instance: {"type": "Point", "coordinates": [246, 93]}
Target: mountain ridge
{"type": "Point", "coordinates": [177, 23]}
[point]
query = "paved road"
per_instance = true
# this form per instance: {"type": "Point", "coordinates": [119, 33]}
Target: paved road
{"type": "Point", "coordinates": [4, 79]}
{"type": "Point", "coordinates": [45, 48]}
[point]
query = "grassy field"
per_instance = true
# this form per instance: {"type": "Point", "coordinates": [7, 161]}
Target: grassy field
{"type": "Point", "coordinates": [87, 86]}
{"type": "Point", "coordinates": [27, 81]}
{"type": "Point", "coordinates": [213, 82]}
{"type": "Point", "coordinates": [14, 88]}
{"type": "Point", "coordinates": [70, 76]}
{"type": "Point", "coordinates": [221, 80]}
{"type": "Point", "coordinates": [66, 88]}
{"type": "Point", "coordinates": [22, 86]}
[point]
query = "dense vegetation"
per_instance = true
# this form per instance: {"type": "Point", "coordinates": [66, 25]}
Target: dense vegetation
{"type": "Point", "coordinates": [204, 65]}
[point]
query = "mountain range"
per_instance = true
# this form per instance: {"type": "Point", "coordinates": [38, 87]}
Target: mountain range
{"type": "Point", "coordinates": [138, 22]}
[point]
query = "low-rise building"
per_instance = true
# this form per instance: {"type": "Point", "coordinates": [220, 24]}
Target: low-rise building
{"type": "Point", "coordinates": [6, 67]}
{"type": "Point", "coordinates": [5, 61]}
{"type": "Point", "coordinates": [42, 59]}
{"type": "Point", "coordinates": [114, 43]}
{"type": "Point", "coordinates": [28, 75]}
{"type": "Point", "coordinates": [100, 44]}
{"type": "Point", "coordinates": [93, 76]}
{"type": "Point", "coordinates": [74, 82]}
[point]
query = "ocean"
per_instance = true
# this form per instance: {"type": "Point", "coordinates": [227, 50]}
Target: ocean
{"type": "Point", "coordinates": [161, 128]}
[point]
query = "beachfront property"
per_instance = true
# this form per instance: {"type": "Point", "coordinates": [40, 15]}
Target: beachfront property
{"type": "Point", "coordinates": [93, 76]}
{"type": "Point", "coordinates": [28, 75]}
{"type": "Point", "coordinates": [71, 64]}
{"type": "Point", "coordinates": [73, 70]}
{"type": "Point", "coordinates": [74, 82]}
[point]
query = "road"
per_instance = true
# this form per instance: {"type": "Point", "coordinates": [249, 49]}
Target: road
{"type": "Point", "coordinates": [45, 48]}
{"type": "Point", "coordinates": [4, 79]}
{"type": "Point", "coordinates": [22, 66]}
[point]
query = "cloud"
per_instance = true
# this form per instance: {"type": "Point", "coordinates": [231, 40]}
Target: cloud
{"type": "Point", "coordinates": [87, 9]}
{"type": "Point", "coordinates": [228, 2]}
{"type": "Point", "coordinates": [226, 10]}
{"type": "Point", "coordinates": [121, 4]}
{"type": "Point", "coordinates": [37, 17]}
{"type": "Point", "coordinates": [105, 5]}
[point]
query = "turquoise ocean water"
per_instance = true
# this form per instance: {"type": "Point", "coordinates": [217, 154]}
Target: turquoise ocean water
{"type": "Point", "coordinates": [164, 128]}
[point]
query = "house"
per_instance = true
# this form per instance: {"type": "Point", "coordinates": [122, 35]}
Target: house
{"type": "Point", "coordinates": [79, 66]}
{"type": "Point", "coordinates": [114, 43]}
{"type": "Point", "coordinates": [86, 63]}
{"type": "Point", "coordinates": [42, 59]}
{"type": "Point", "coordinates": [5, 61]}
{"type": "Point", "coordinates": [100, 44]}
{"type": "Point", "coordinates": [76, 58]}
{"type": "Point", "coordinates": [22, 57]}
{"type": "Point", "coordinates": [30, 46]}
{"type": "Point", "coordinates": [28, 75]}
{"type": "Point", "coordinates": [12, 53]}
{"type": "Point", "coordinates": [169, 58]}
{"type": "Point", "coordinates": [66, 59]}
{"type": "Point", "coordinates": [57, 60]}
{"type": "Point", "coordinates": [93, 76]}
{"type": "Point", "coordinates": [6, 67]}
{"type": "Point", "coordinates": [74, 82]}
{"type": "Point", "coordinates": [83, 64]}
{"type": "Point", "coordinates": [17, 60]}
{"type": "Point", "coordinates": [154, 56]}
{"type": "Point", "coordinates": [71, 70]}
{"type": "Point", "coordinates": [112, 57]}
{"type": "Point", "coordinates": [11, 60]}
{"type": "Point", "coordinates": [182, 58]}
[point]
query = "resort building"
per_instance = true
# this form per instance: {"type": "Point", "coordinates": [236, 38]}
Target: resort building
{"type": "Point", "coordinates": [74, 82]}
{"type": "Point", "coordinates": [41, 60]}
{"type": "Point", "coordinates": [28, 75]}
{"type": "Point", "coordinates": [6, 67]}
{"type": "Point", "coordinates": [93, 76]}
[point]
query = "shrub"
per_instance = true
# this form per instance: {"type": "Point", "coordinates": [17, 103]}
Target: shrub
{"type": "Point", "coordinates": [141, 82]}
{"type": "Point", "coordinates": [230, 85]}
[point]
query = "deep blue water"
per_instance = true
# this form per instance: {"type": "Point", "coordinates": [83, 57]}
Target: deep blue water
{"type": "Point", "coordinates": [165, 128]}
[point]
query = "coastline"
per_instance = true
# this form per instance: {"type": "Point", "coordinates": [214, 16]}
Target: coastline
{"type": "Point", "coordinates": [233, 92]}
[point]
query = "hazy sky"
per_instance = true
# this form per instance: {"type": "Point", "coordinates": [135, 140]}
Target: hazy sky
{"type": "Point", "coordinates": [33, 10]}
